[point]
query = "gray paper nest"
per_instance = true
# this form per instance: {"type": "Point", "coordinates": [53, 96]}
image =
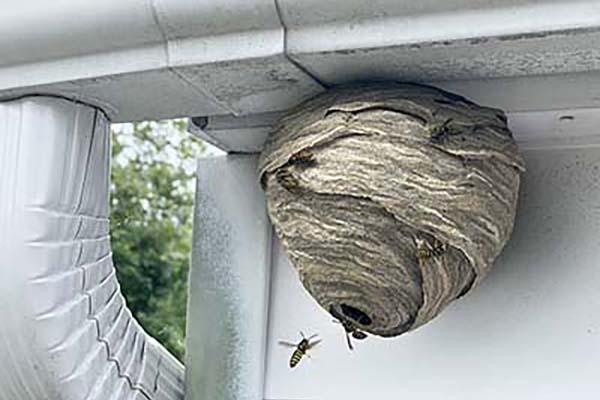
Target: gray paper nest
{"type": "Point", "coordinates": [391, 200]}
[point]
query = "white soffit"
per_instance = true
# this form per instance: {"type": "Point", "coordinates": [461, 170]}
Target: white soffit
{"type": "Point", "coordinates": [565, 128]}
{"type": "Point", "coordinates": [149, 59]}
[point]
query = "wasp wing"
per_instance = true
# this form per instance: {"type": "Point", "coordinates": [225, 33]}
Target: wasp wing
{"type": "Point", "coordinates": [287, 344]}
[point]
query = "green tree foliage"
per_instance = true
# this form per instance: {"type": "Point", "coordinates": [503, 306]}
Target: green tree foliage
{"type": "Point", "coordinates": [152, 196]}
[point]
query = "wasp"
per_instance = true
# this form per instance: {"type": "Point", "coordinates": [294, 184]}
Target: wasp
{"type": "Point", "coordinates": [426, 250]}
{"type": "Point", "coordinates": [302, 347]}
{"type": "Point", "coordinates": [287, 179]}
{"type": "Point", "coordinates": [304, 158]}
{"type": "Point", "coordinates": [349, 328]}
{"type": "Point", "coordinates": [440, 132]}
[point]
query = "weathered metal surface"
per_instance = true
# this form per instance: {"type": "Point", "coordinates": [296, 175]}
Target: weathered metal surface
{"type": "Point", "coordinates": [392, 200]}
{"type": "Point", "coordinates": [268, 83]}
{"type": "Point", "coordinates": [170, 58]}
{"type": "Point", "coordinates": [152, 59]}
{"type": "Point", "coordinates": [451, 60]}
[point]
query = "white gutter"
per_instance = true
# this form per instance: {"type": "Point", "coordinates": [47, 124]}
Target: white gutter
{"type": "Point", "coordinates": [116, 53]}
{"type": "Point", "coordinates": [141, 59]}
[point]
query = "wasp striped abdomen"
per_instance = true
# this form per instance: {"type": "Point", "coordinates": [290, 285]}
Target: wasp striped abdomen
{"type": "Point", "coordinates": [301, 348]}
{"type": "Point", "coordinates": [296, 357]}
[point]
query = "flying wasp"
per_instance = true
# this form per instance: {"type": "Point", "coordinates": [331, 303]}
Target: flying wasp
{"type": "Point", "coordinates": [302, 348]}
{"type": "Point", "coordinates": [426, 250]}
{"type": "Point", "coordinates": [349, 328]}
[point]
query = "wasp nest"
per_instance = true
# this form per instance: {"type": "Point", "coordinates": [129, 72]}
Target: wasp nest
{"type": "Point", "coordinates": [391, 200]}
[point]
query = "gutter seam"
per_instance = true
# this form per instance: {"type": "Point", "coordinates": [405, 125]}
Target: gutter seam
{"type": "Point", "coordinates": [174, 71]}
{"type": "Point", "coordinates": [288, 56]}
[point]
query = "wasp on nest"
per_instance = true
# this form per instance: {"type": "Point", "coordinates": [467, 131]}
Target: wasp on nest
{"type": "Point", "coordinates": [391, 200]}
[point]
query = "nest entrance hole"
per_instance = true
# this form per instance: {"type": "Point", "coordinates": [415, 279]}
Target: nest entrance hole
{"type": "Point", "coordinates": [356, 314]}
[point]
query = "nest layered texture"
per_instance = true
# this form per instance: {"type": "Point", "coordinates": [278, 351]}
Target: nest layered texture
{"type": "Point", "coordinates": [391, 200]}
